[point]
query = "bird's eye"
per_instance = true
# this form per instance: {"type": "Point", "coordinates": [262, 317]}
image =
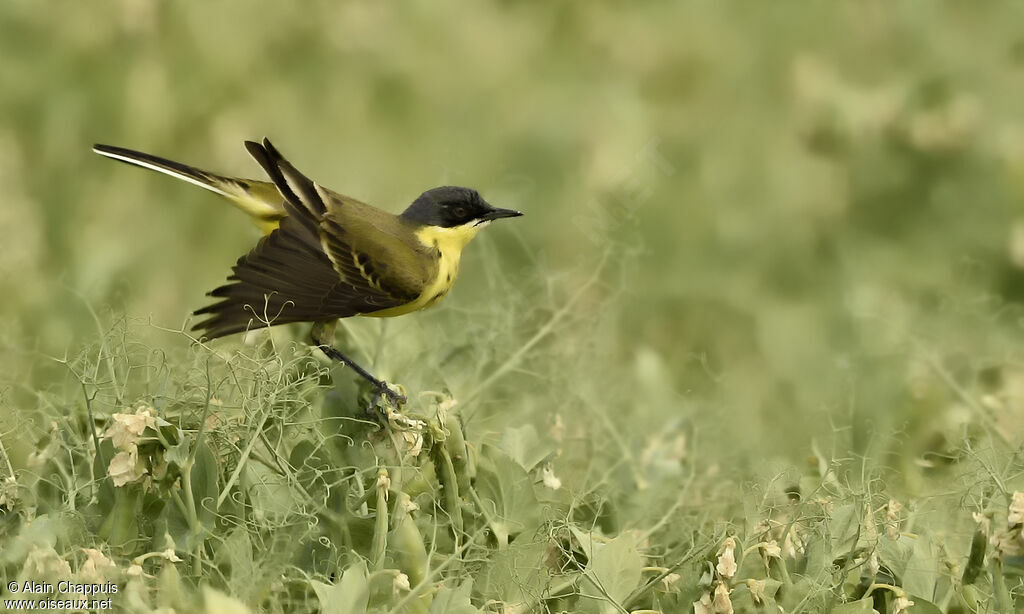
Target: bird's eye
{"type": "Point", "coordinates": [459, 212]}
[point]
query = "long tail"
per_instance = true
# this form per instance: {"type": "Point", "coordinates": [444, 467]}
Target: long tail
{"type": "Point", "coordinates": [259, 199]}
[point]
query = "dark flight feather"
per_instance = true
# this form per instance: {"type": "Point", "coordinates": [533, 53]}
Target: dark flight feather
{"type": "Point", "coordinates": [305, 271]}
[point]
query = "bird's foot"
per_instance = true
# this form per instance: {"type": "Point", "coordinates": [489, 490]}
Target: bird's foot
{"type": "Point", "coordinates": [384, 391]}
{"type": "Point", "coordinates": [385, 406]}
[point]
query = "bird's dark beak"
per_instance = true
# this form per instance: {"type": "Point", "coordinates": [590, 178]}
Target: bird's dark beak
{"type": "Point", "coordinates": [495, 214]}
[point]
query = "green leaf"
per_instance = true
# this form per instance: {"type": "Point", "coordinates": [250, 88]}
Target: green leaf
{"type": "Point", "coordinates": [121, 526]}
{"type": "Point", "coordinates": [506, 492]}
{"type": "Point", "coordinates": [454, 601]}
{"type": "Point", "coordinates": [205, 490]}
{"type": "Point", "coordinates": [349, 596]}
{"type": "Point", "coordinates": [613, 569]}
{"type": "Point", "coordinates": [524, 446]}
{"type": "Point", "coordinates": [517, 574]}
{"type": "Point", "coordinates": [307, 458]}
{"type": "Point", "coordinates": [743, 600]}
{"type": "Point", "coordinates": [205, 487]}
{"type": "Point", "coordinates": [166, 474]}
{"type": "Point", "coordinates": [178, 453]}
{"type": "Point", "coordinates": [236, 554]}
{"type": "Point", "coordinates": [894, 554]}
{"type": "Point", "coordinates": [921, 572]}
{"type": "Point", "coordinates": [816, 556]}
{"type": "Point", "coordinates": [922, 606]}
{"type": "Point", "coordinates": [270, 491]}
{"type": "Point", "coordinates": [40, 533]}
{"type": "Point", "coordinates": [797, 593]}
{"type": "Point", "coordinates": [105, 492]}
{"type": "Point", "coordinates": [844, 529]}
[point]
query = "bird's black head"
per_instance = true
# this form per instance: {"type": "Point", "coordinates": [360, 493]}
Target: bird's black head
{"type": "Point", "coordinates": [452, 206]}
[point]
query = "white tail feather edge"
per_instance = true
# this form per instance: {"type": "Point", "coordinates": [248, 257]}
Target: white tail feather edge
{"type": "Point", "coordinates": [165, 171]}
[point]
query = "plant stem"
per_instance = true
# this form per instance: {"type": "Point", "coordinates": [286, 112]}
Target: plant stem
{"type": "Point", "coordinates": [380, 528]}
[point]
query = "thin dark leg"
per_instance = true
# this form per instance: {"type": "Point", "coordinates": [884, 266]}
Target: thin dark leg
{"type": "Point", "coordinates": [321, 334]}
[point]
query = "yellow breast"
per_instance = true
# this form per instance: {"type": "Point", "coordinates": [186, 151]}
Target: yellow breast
{"type": "Point", "coordinates": [449, 243]}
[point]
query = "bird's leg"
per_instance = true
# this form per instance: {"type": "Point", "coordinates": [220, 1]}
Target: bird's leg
{"type": "Point", "coordinates": [322, 335]}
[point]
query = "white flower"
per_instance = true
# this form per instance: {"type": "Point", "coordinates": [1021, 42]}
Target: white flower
{"type": "Point", "coordinates": [408, 505]}
{"type": "Point", "coordinates": [96, 568]}
{"type": "Point", "coordinates": [547, 475]}
{"type": "Point", "coordinates": [413, 442]}
{"type": "Point", "coordinates": [45, 563]}
{"type": "Point", "coordinates": [727, 559]}
{"type": "Point", "coordinates": [126, 429]}
{"type": "Point", "coordinates": [1016, 515]}
{"type": "Point", "coordinates": [125, 467]}
{"type": "Point", "coordinates": [384, 482]}
{"type": "Point", "coordinates": [1007, 542]}
{"type": "Point", "coordinates": [401, 422]}
{"type": "Point", "coordinates": [984, 522]}
{"type": "Point", "coordinates": [444, 408]}
{"type": "Point", "coordinates": [793, 545]}
{"type": "Point", "coordinates": [892, 519]}
{"type": "Point", "coordinates": [401, 584]}
{"type": "Point", "coordinates": [772, 549]}
{"type": "Point", "coordinates": [669, 581]}
{"type": "Point", "coordinates": [757, 588]}
{"type": "Point", "coordinates": [900, 604]}
{"type": "Point", "coordinates": [873, 564]}
{"type": "Point", "coordinates": [721, 604]}
{"type": "Point", "coordinates": [703, 606]}
{"type": "Point", "coordinates": [9, 492]}
{"type": "Point", "coordinates": [170, 555]}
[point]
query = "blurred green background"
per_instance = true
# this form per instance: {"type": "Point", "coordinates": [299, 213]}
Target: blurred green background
{"type": "Point", "coordinates": [805, 217]}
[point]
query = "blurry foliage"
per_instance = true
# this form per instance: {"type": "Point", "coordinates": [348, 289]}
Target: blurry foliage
{"type": "Point", "coordinates": [755, 234]}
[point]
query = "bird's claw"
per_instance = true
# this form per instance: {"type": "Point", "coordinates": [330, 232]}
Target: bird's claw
{"type": "Point", "coordinates": [395, 398]}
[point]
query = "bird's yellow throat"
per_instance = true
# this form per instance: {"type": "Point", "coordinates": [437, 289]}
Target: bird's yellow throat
{"type": "Point", "coordinates": [449, 242]}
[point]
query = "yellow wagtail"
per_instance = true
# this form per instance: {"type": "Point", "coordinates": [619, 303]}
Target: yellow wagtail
{"type": "Point", "coordinates": [326, 256]}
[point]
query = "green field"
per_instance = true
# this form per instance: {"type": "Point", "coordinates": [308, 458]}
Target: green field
{"type": "Point", "coordinates": [755, 346]}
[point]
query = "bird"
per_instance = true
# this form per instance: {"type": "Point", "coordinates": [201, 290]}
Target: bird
{"type": "Point", "coordinates": [325, 256]}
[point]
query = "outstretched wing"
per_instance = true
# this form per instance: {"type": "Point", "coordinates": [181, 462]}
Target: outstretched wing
{"type": "Point", "coordinates": [305, 271]}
